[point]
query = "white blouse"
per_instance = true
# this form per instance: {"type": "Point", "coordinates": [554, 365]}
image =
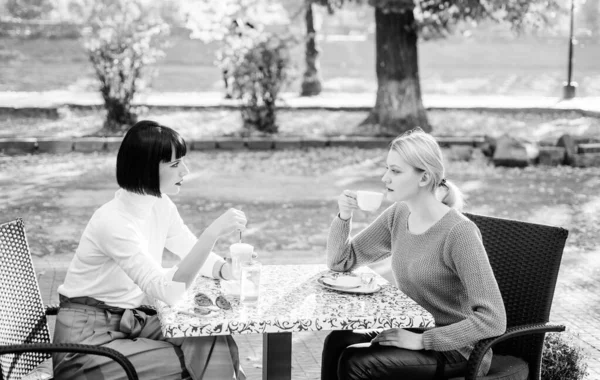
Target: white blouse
{"type": "Point", "coordinates": [119, 257]}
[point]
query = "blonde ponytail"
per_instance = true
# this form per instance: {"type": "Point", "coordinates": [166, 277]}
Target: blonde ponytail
{"type": "Point", "coordinates": [452, 197]}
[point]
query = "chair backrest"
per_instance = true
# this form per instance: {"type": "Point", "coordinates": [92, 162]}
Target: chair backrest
{"type": "Point", "coordinates": [525, 258]}
{"type": "Point", "coordinates": [22, 313]}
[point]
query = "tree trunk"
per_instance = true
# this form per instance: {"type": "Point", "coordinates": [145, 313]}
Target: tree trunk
{"type": "Point", "coordinates": [311, 81]}
{"type": "Point", "coordinates": [119, 117]}
{"type": "Point", "coordinates": [398, 106]}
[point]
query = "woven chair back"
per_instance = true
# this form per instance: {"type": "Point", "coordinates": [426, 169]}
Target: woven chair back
{"type": "Point", "coordinates": [22, 314]}
{"type": "Point", "coordinates": [525, 258]}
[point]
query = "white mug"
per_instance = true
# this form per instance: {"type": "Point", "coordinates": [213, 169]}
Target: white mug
{"type": "Point", "coordinates": [368, 200]}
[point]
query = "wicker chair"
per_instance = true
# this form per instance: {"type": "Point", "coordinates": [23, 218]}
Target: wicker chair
{"type": "Point", "coordinates": [24, 337]}
{"type": "Point", "coordinates": [525, 258]}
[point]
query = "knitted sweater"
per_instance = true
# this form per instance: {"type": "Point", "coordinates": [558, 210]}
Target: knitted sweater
{"type": "Point", "coordinates": [445, 270]}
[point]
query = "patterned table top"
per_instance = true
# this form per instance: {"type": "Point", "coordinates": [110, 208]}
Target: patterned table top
{"type": "Point", "coordinates": [291, 300]}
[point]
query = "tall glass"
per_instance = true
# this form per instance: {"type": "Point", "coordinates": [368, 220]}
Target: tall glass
{"type": "Point", "coordinates": [250, 283]}
{"type": "Point", "coordinates": [240, 253]}
{"type": "Point", "coordinates": [231, 288]}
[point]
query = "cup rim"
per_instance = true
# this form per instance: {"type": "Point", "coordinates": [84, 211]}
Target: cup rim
{"type": "Point", "coordinates": [369, 192]}
{"type": "Point", "coordinates": [237, 247]}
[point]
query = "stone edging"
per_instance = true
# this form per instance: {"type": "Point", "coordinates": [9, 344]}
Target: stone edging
{"type": "Point", "coordinates": [11, 146]}
{"type": "Point", "coordinates": [52, 111]}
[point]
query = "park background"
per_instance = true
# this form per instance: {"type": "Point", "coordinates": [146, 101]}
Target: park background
{"type": "Point", "coordinates": [57, 193]}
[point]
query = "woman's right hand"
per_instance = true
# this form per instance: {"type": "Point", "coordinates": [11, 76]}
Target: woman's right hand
{"type": "Point", "coordinates": [231, 220]}
{"type": "Point", "coordinates": [347, 204]}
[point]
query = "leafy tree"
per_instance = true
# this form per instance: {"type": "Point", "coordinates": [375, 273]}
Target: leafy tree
{"type": "Point", "coordinates": [121, 38]}
{"type": "Point", "coordinates": [260, 71]}
{"type": "Point", "coordinates": [235, 24]}
{"type": "Point", "coordinates": [256, 63]}
{"type": "Point", "coordinates": [311, 80]}
{"type": "Point", "coordinates": [400, 23]}
{"type": "Point", "coordinates": [212, 20]}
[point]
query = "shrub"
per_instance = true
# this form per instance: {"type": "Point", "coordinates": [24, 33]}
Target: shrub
{"type": "Point", "coordinates": [261, 68]}
{"type": "Point", "coordinates": [28, 9]}
{"type": "Point", "coordinates": [235, 42]}
{"type": "Point", "coordinates": [121, 39]}
{"type": "Point", "coordinates": [562, 359]}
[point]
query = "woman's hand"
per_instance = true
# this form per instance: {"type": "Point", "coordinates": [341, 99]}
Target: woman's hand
{"type": "Point", "coordinates": [347, 204]}
{"type": "Point", "coordinates": [400, 338]}
{"type": "Point", "coordinates": [231, 220]}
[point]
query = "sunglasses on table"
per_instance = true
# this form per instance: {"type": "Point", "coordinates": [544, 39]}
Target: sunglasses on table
{"type": "Point", "coordinates": [204, 303]}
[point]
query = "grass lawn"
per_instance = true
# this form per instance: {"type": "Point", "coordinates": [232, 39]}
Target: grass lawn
{"type": "Point", "coordinates": [526, 66]}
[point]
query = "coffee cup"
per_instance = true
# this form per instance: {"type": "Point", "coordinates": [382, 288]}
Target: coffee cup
{"type": "Point", "coordinates": [368, 200]}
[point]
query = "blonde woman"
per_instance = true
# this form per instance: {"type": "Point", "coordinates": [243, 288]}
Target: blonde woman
{"type": "Point", "coordinates": [437, 259]}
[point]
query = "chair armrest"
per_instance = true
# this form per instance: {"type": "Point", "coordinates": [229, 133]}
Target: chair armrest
{"type": "Point", "coordinates": [485, 344]}
{"type": "Point", "coordinates": [78, 348]}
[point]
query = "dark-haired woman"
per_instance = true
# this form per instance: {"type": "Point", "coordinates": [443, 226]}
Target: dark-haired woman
{"type": "Point", "coordinates": [118, 264]}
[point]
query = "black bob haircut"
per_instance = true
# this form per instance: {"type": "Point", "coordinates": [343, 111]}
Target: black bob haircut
{"type": "Point", "coordinates": [144, 146]}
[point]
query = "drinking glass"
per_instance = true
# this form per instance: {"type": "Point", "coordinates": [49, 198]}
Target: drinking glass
{"type": "Point", "coordinates": [250, 282]}
{"type": "Point", "coordinates": [231, 288]}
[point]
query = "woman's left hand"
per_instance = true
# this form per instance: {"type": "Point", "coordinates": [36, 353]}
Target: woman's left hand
{"type": "Point", "coordinates": [400, 338]}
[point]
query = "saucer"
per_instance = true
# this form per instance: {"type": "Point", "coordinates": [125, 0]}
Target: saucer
{"type": "Point", "coordinates": [361, 289]}
{"type": "Point", "coordinates": [344, 282]}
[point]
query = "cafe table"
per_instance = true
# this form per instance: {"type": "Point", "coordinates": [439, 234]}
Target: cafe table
{"type": "Point", "coordinates": [291, 300]}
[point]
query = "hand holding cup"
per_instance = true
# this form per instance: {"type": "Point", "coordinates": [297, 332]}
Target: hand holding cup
{"type": "Point", "coordinates": [350, 200]}
{"type": "Point", "coordinates": [347, 204]}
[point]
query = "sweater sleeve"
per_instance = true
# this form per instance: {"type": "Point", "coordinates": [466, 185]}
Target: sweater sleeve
{"type": "Point", "coordinates": [345, 253]}
{"type": "Point", "coordinates": [483, 305]}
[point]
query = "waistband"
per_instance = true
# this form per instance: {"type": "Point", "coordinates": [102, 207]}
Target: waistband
{"type": "Point", "coordinates": [88, 301]}
{"type": "Point", "coordinates": [131, 321]}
